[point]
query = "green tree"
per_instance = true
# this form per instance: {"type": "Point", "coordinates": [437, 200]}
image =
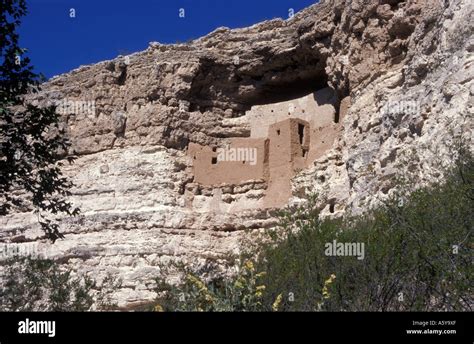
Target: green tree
{"type": "Point", "coordinates": [32, 140]}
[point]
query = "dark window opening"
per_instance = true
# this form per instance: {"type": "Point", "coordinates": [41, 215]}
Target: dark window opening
{"type": "Point", "coordinates": [331, 208]}
{"type": "Point", "coordinates": [214, 161]}
{"type": "Point", "coordinates": [336, 116]}
{"type": "Point", "coordinates": [305, 152]}
{"type": "Point", "coordinates": [278, 132]}
{"type": "Point", "coordinates": [122, 77]}
{"type": "Point", "coordinates": [301, 133]}
{"type": "Point", "coordinates": [214, 149]}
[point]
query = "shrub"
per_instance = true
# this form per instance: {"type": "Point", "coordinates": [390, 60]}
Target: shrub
{"type": "Point", "coordinates": [241, 293]}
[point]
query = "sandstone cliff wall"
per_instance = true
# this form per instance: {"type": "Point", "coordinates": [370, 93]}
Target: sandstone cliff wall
{"type": "Point", "coordinates": [401, 74]}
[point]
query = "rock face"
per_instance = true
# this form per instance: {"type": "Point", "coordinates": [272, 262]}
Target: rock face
{"type": "Point", "coordinates": [384, 87]}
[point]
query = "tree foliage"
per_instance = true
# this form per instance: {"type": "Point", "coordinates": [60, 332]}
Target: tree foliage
{"type": "Point", "coordinates": [32, 139]}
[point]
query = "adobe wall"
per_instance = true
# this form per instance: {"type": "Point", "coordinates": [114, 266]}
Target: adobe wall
{"type": "Point", "coordinates": [209, 171]}
{"type": "Point", "coordinates": [323, 134]}
{"type": "Point", "coordinates": [287, 136]}
{"type": "Point", "coordinates": [289, 146]}
{"type": "Point", "coordinates": [317, 108]}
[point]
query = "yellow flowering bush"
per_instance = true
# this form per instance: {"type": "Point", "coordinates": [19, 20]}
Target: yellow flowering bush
{"type": "Point", "coordinates": [242, 293]}
{"type": "Point", "coordinates": [327, 285]}
{"type": "Point", "coordinates": [276, 304]}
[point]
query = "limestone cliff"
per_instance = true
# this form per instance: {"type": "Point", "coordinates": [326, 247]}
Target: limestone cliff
{"type": "Point", "coordinates": [383, 85]}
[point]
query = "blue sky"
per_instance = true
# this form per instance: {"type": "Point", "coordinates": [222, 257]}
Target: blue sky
{"type": "Point", "coordinates": [103, 29]}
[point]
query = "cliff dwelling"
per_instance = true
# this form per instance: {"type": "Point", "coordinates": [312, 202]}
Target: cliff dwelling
{"type": "Point", "coordinates": [285, 138]}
